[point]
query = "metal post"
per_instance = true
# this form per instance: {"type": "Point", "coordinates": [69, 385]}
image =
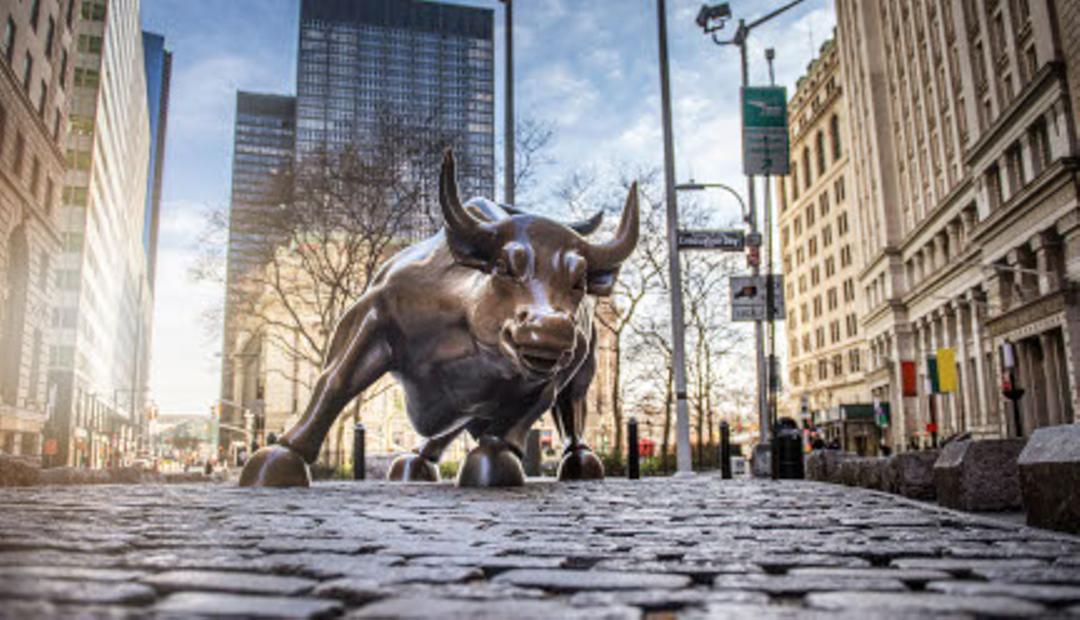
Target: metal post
{"type": "Point", "coordinates": [633, 454]}
{"type": "Point", "coordinates": [682, 414]}
{"type": "Point", "coordinates": [358, 457]}
{"type": "Point", "coordinates": [508, 128]}
{"type": "Point", "coordinates": [725, 451]}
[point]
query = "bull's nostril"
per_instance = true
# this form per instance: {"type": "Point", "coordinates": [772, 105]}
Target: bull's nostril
{"type": "Point", "coordinates": [565, 358]}
{"type": "Point", "coordinates": [522, 316]}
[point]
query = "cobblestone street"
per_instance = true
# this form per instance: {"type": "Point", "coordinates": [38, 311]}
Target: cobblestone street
{"type": "Point", "coordinates": [700, 547]}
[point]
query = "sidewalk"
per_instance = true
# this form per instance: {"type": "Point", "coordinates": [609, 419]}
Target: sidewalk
{"type": "Point", "coordinates": [702, 547]}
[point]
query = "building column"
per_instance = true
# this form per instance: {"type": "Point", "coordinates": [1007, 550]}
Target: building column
{"type": "Point", "coordinates": [961, 308]}
{"type": "Point", "coordinates": [921, 413]}
{"type": "Point", "coordinates": [1046, 246]}
{"type": "Point", "coordinates": [1054, 406]}
{"type": "Point", "coordinates": [982, 416]}
{"type": "Point", "coordinates": [948, 321]}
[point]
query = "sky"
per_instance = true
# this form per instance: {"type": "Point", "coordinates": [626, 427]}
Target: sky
{"type": "Point", "coordinates": [586, 67]}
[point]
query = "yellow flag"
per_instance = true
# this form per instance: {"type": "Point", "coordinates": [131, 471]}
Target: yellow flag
{"type": "Point", "coordinates": [946, 367]}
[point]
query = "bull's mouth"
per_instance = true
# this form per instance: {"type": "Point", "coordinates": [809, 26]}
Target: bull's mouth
{"type": "Point", "coordinates": [540, 361]}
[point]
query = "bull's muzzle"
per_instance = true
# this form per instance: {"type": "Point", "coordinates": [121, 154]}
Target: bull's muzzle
{"type": "Point", "coordinates": [542, 341]}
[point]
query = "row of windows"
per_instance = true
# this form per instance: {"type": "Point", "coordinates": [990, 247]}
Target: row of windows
{"type": "Point", "coordinates": [18, 165]}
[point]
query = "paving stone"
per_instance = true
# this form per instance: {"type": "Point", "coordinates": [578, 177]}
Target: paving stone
{"type": "Point", "coordinates": [449, 609]}
{"type": "Point", "coordinates": [919, 603]}
{"type": "Point", "coordinates": [1065, 575]}
{"type": "Point", "coordinates": [907, 575]}
{"type": "Point", "coordinates": [352, 590]}
{"type": "Point", "coordinates": [326, 565]}
{"type": "Point", "coordinates": [63, 590]}
{"type": "Point", "coordinates": [428, 574]}
{"type": "Point", "coordinates": [76, 573]}
{"type": "Point", "coordinates": [801, 584]}
{"type": "Point", "coordinates": [316, 545]}
{"type": "Point", "coordinates": [1050, 478]}
{"type": "Point", "coordinates": [1053, 594]}
{"type": "Point", "coordinates": [21, 610]}
{"type": "Point", "coordinates": [490, 564]}
{"type": "Point", "coordinates": [979, 475]}
{"type": "Point", "coordinates": [963, 567]}
{"type": "Point", "coordinates": [189, 604]}
{"type": "Point", "coordinates": [578, 580]}
{"type": "Point", "coordinates": [665, 600]}
{"type": "Point", "coordinates": [216, 581]}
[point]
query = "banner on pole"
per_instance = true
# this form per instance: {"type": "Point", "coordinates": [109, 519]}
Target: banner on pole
{"type": "Point", "coordinates": [932, 384]}
{"type": "Point", "coordinates": [909, 378]}
{"type": "Point", "coordinates": [946, 367]}
{"type": "Point", "coordinates": [765, 131]}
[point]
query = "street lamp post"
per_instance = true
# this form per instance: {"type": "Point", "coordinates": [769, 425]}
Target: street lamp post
{"type": "Point", "coordinates": [711, 19]}
{"type": "Point", "coordinates": [508, 121]}
{"type": "Point", "coordinates": [682, 413]}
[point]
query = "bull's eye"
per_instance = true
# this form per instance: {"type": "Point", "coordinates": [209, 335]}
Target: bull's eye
{"type": "Point", "coordinates": [580, 284]}
{"type": "Point", "coordinates": [501, 268]}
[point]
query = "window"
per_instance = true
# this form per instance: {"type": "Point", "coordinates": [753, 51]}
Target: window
{"type": "Point", "coordinates": [35, 176]}
{"type": "Point", "coordinates": [834, 137]}
{"type": "Point", "coordinates": [810, 215]}
{"type": "Point", "coordinates": [35, 12]}
{"type": "Point", "coordinates": [62, 78]}
{"type": "Point", "coordinates": [1014, 162]}
{"type": "Point", "coordinates": [93, 10]}
{"type": "Point", "coordinates": [89, 43]}
{"type": "Point", "coordinates": [838, 189]}
{"type": "Point", "coordinates": [50, 195]}
{"type": "Point", "coordinates": [20, 154]}
{"type": "Point", "coordinates": [3, 128]}
{"type": "Point", "coordinates": [806, 167]}
{"type": "Point", "coordinates": [832, 298]}
{"type": "Point", "coordinates": [56, 123]}
{"type": "Point", "coordinates": [1040, 146]}
{"type": "Point", "coordinates": [830, 267]}
{"type": "Point", "coordinates": [994, 188]}
{"type": "Point", "coordinates": [826, 236]}
{"type": "Point", "coordinates": [794, 181]}
{"type": "Point", "coordinates": [811, 247]}
{"type": "Point", "coordinates": [8, 42]}
{"type": "Point", "coordinates": [50, 32]}
{"type": "Point", "coordinates": [43, 95]}
{"type": "Point", "coordinates": [820, 148]}
{"type": "Point", "coordinates": [70, 17]}
{"type": "Point", "coordinates": [28, 68]}
{"type": "Point", "coordinates": [823, 202]}
{"type": "Point", "coordinates": [841, 224]}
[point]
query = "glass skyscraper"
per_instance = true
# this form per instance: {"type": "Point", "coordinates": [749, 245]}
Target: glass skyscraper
{"type": "Point", "coordinates": [426, 68]}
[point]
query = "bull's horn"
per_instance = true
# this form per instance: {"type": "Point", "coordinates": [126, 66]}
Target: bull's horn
{"type": "Point", "coordinates": [589, 226]}
{"type": "Point", "coordinates": [469, 239]}
{"type": "Point", "coordinates": [610, 255]}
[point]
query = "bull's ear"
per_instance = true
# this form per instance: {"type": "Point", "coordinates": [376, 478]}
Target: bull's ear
{"type": "Point", "coordinates": [601, 282]}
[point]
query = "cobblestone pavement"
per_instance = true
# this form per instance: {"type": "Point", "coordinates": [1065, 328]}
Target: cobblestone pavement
{"type": "Point", "coordinates": [699, 547]}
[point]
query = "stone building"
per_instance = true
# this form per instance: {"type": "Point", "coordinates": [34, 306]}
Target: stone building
{"type": "Point", "coordinates": [964, 179]}
{"type": "Point", "coordinates": [36, 41]}
{"type": "Point", "coordinates": [818, 247]}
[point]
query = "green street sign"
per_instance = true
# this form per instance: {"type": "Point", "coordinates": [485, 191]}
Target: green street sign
{"type": "Point", "coordinates": [765, 130]}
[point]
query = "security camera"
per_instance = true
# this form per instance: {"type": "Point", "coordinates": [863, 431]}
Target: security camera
{"type": "Point", "coordinates": [717, 12]}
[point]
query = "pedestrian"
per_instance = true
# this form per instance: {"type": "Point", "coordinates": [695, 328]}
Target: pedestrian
{"type": "Point", "coordinates": [271, 439]}
{"type": "Point", "coordinates": [209, 467]}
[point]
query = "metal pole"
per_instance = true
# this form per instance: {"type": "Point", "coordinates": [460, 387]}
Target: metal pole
{"type": "Point", "coordinates": [508, 129]}
{"type": "Point", "coordinates": [682, 414]}
{"type": "Point", "coordinates": [759, 332]}
{"type": "Point", "coordinates": [633, 455]}
{"type": "Point", "coordinates": [725, 451]}
{"type": "Point", "coordinates": [359, 459]}
{"type": "Point", "coordinates": [771, 383]}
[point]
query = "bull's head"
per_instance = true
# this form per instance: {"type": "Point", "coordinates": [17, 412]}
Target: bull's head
{"type": "Point", "coordinates": [538, 272]}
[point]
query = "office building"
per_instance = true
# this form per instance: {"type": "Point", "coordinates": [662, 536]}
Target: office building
{"type": "Point", "coordinates": [158, 62]}
{"type": "Point", "coordinates": [964, 179]}
{"type": "Point", "coordinates": [102, 315]}
{"type": "Point", "coordinates": [818, 250]}
{"type": "Point", "coordinates": [36, 49]}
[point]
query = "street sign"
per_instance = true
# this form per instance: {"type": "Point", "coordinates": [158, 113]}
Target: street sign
{"type": "Point", "coordinates": [748, 298]}
{"type": "Point", "coordinates": [765, 130]}
{"type": "Point", "coordinates": [753, 239]}
{"type": "Point", "coordinates": [727, 240]}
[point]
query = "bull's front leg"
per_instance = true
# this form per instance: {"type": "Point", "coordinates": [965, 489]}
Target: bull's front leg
{"type": "Point", "coordinates": [359, 354]}
{"type": "Point", "coordinates": [578, 461]}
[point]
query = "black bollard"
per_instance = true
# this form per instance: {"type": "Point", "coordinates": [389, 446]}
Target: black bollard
{"type": "Point", "coordinates": [725, 451]}
{"type": "Point", "coordinates": [359, 464]}
{"type": "Point", "coordinates": [633, 466]}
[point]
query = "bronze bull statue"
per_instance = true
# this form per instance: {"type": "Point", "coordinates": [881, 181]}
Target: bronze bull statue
{"type": "Point", "coordinates": [486, 325]}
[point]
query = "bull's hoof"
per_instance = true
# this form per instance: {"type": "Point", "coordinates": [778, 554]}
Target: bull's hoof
{"type": "Point", "coordinates": [493, 463]}
{"type": "Point", "coordinates": [275, 466]}
{"type": "Point", "coordinates": [580, 463]}
{"type": "Point", "coordinates": [412, 468]}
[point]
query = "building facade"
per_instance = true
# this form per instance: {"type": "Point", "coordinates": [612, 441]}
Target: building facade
{"type": "Point", "coordinates": [102, 306]}
{"type": "Point", "coordinates": [158, 63]}
{"type": "Point", "coordinates": [36, 48]}
{"type": "Point", "coordinates": [264, 143]}
{"type": "Point", "coordinates": [964, 178]}
{"type": "Point", "coordinates": [424, 68]}
{"type": "Point", "coordinates": [818, 249]}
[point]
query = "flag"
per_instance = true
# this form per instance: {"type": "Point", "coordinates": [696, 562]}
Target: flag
{"type": "Point", "coordinates": [946, 368]}
{"type": "Point", "coordinates": [932, 383]}
{"type": "Point", "coordinates": [908, 376]}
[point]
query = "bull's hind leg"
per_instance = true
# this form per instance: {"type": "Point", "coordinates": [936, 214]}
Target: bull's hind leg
{"type": "Point", "coordinates": [578, 461]}
{"type": "Point", "coordinates": [358, 356]}
{"type": "Point", "coordinates": [422, 466]}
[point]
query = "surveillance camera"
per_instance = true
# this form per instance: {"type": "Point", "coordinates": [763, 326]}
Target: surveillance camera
{"type": "Point", "coordinates": [716, 12]}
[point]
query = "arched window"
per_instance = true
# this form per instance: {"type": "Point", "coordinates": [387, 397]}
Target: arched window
{"type": "Point", "coordinates": [834, 137]}
{"type": "Point", "coordinates": [11, 342]}
{"type": "Point", "coordinates": [807, 177]}
{"type": "Point", "coordinates": [819, 146]}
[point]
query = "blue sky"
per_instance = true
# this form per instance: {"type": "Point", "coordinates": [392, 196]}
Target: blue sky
{"type": "Point", "coordinates": [588, 67]}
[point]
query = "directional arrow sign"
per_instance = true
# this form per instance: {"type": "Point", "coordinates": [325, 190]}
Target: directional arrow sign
{"type": "Point", "coordinates": [727, 240]}
{"type": "Point", "coordinates": [765, 130]}
{"type": "Point", "coordinates": [749, 298]}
